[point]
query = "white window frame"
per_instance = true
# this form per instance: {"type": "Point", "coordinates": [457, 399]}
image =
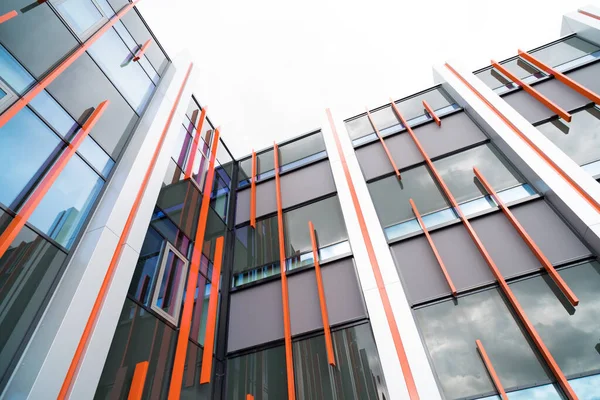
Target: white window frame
{"type": "Point", "coordinates": [10, 97]}
{"type": "Point", "coordinates": [174, 319]}
{"type": "Point", "coordinates": [91, 30]}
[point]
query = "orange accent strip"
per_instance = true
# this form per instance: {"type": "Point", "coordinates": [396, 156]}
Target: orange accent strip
{"type": "Point", "coordinates": [589, 14]}
{"type": "Point", "coordinates": [562, 285]}
{"type": "Point", "coordinates": [593, 202]}
{"type": "Point", "coordinates": [491, 370]}
{"type": "Point", "coordinates": [387, 307]}
{"type": "Point", "coordinates": [385, 148]}
{"type": "Point", "coordinates": [432, 113]}
{"type": "Point", "coordinates": [433, 248]}
{"type": "Point", "coordinates": [534, 93]}
{"type": "Point", "coordinates": [322, 301]}
{"type": "Point", "coordinates": [560, 77]}
{"type": "Point", "coordinates": [36, 197]}
{"type": "Point", "coordinates": [253, 192]}
{"type": "Point", "coordinates": [48, 79]}
{"type": "Point", "coordinates": [142, 50]}
{"type": "Point", "coordinates": [139, 380]}
{"type": "Point", "coordinates": [249, 397]}
{"type": "Point", "coordinates": [7, 16]}
{"type": "Point", "coordinates": [91, 322]}
{"type": "Point", "coordinates": [189, 169]}
{"type": "Point", "coordinates": [185, 324]}
{"type": "Point", "coordinates": [211, 322]}
{"type": "Point", "coordinates": [560, 377]}
{"type": "Point", "coordinates": [287, 329]}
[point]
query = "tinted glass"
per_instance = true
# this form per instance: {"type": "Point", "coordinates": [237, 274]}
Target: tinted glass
{"type": "Point", "coordinates": [181, 202]}
{"type": "Point", "coordinates": [457, 172]}
{"type": "Point", "coordinates": [24, 134]}
{"type": "Point", "coordinates": [580, 138]}
{"type": "Point", "coordinates": [27, 270]}
{"type": "Point", "coordinates": [170, 287]}
{"type": "Point", "coordinates": [254, 247]}
{"type": "Point", "coordinates": [83, 86]}
{"type": "Point", "coordinates": [413, 107]}
{"type": "Point", "coordinates": [244, 171]}
{"type": "Point", "coordinates": [146, 270]}
{"type": "Point", "coordinates": [139, 336]}
{"type": "Point", "coordinates": [359, 127]}
{"type": "Point", "coordinates": [115, 59]}
{"type": "Point", "coordinates": [564, 51]}
{"type": "Point", "coordinates": [65, 207]}
{"type": "Point", "coordinates": [181, 146]}
{"type": "Point", "coordinates": [357, 374]}
{"type": "Point", "coordinates": [13, 73]}
{"type": "Point", "coordinates": [571, 335]}
{"type": "Point", "coordinates": [141, 34]}
{"type": "Point", "coordinates": [301, 148]}
{"type": "Point", "coordinates": [264, 162]}
{"type": "Point", "coordinates": [261, 374]}
{"type": "Point", "coordinates": [225, 162]}
{"type": "Point", "coordinates": [191, 389]}
{"type": "Point", "coordinates": [54, 114]}
{"type": "Point", "coordinates": [81, 15]}
{"type": "Point", "coordinates": [326, 216]}
{"type": "Point", "coordinates": [518, 67]}
{"type": "Point", "coordinates": [93, 153]}
{"type": "Point", "coordinates": [37, 37]}
{"type": "Point", "coordinates": [450, 330]}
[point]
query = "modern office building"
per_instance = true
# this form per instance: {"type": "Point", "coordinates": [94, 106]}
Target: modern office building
{"type": "Point", "coordinates": [441, 246]}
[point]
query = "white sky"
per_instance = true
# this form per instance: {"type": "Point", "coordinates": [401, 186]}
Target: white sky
{"type": "Point", "coordinates": [269, 68]}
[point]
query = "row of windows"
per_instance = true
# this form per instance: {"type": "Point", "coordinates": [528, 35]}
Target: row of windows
{"type": "Point", "coordinates": [356, 375]}
{"type": "Point", "coordinates": [563, 55]}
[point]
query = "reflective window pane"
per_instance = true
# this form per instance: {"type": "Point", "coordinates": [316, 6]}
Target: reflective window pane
{"type": "Point", "coordinates": [564, 51]}
{"type": "Point", "coordinates": [141, 34]}
{"type": "Point", "coordinates": [580, 138]}
{"type": "Point", "coordinates": [357, 374]}
{"type": "Point", "coordinates": [65, 207]}
{"type": "Point", "coordinates": [81, 15]}
{"type": "Point", "coordinates": [13, 73]}
{"type": "Point", "coordinates": [359, 127]}
{"type": "Point", "coordinates": [450, 330]}
{"type": "Point", "coordinates": [115, 59]}
{"type": "Point", "coordinates": [54, 114]}
{"type": "Point", "coordinates": [457, 172]}
{"type": "Point", "coordinates": [518, 67]}
{"type": "Point", "coordinates": [391, 196]}
{"type": "Point", "coordinates": [146, 270]}
{"type": "Point", "coordinates": [300, 149]}
{"type": "Point", "coordinates": [261, 374]}
{"type": "Point", "coordinates": [27, 270]}
{"type": "Point", "coordinates": [93, 153]}
{"type": "Point", "coordinates": [168, 291]}
{"type": "Point", "coordinates": [413, 107]}
{"type": "Point", "coordinates": [326, 216]}
{"type": "Point", "coordinates": [586, 388]}
{"type": "Point", "coordinates": [570, 335]}
{"type": "Point", "coordinates": [256, 247]}
{"type": "Point", "coordinates": [24, 134]}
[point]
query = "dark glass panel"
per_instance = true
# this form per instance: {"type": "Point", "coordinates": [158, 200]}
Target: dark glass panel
{"type": "Point", "coordinates": [141, 34]}
{"type": "Point", "coordinates": [359, 127]}
{"type": "Point", "coordinates": [356, 375]}
{"type": "Point", "coordinates": [220, 195]}
{"type": "Point", "coordinates": [83, 86]}
{"type": "Point", "coordinates": [564, 51]}
{"type": "Point", "coordinates": [301, 148]}
{"type": "Point", "coordinates": [191, 387]}
{"type": "Point", "coordinates": [115, 59]}
{"type": "Point", "coordinates": [255, 247]}
{"type": "Point", "coordinates": [265, 163]}
{"type": "Point", "coordinates": [146, 270]}
{"type": "Point", "coordinates": [24, 134]}
{"type": "Point", "coordinates": [570, 334]}
{"type": "Point", "coordinates": [66, 205]}
{"type": "Point", "coordinates": [225, 161]}
{"type": "Point", "coordinates": [181, 202]}
{"type": "Point", "coordinates": [326, 215]}
{"type": "Point", "coordinates": [140, 336]}
{"type": "Point", "coordinates": [27, 271]}
{"type": "Point", "coordinates": [261, 374]}
{"type": "Point", "coordinates": [457, 172]}
{"type": "Point", "coordinates": [215, 227]}
{"type": "Point", "coordinates": [37, 37]}
{"type": "Point", "coordinates": [450, 330]}
{"type": "Point", "coordinates": [413, 107]}
{"type": "Point", "coordinates": [391, 196]}
{"type": "Point", "coordinates": [580, 138]}
{"type": "Point", "coordinates": [245, 171]}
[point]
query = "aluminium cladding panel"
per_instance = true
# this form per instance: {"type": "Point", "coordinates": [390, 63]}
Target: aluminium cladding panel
{"type": "Point", "coordinates": [557, 92]}
{"type": "Point", "coordinates": [422, 275]}
{"type": "Point", "coordinates": [457, 131]}
{"type": "Point", "coordinates": [297, 187]}
{"type": "Point", "coordinates": [256, 314]}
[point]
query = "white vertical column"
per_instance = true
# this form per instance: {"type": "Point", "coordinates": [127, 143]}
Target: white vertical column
{"type": "Point", "coordinates": [583, 25]}
{"type": "Point", "coordinates": [413, 346]}
{"type": "Point", "coordinates": [572, 205]}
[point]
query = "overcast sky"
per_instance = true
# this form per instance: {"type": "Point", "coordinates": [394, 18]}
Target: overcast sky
{"type": "Point", "coordinates": [269, 68]}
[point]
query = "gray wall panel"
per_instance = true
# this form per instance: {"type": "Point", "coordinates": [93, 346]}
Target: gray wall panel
{"type": "Point", "coordinates": [588, 77]}
{"type": "Point", "coordinates": [306, 184]}
{"type": "Point", "coordinates": [421, 274]}
{"type": "Point", "coordinates": [374, 162]}
{"type": "Point", "coordinates": [255, 316]}
{"type": "Point", "coordinates": [457, 131]}
{"type": "Point", "coordinates": [266, 202]}
{"type": "Point", "coordinates": [342, 294]}
{"type": "Point", "coordinates": [534, 111]}
{"type": "Point", "coordinates": [549, 232]}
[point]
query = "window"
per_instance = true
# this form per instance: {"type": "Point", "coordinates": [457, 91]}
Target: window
{"type": "Point", "coordinates": [570, 334]}
{"type": "Point", "coordinates": [450, 330]}
{"type": "Point", "coordinates": [357, 374]}
{"type": "Point", "coordinates": [83, 16]}
{"type": "Point", "coordinates": [140, 33]}
{"type": "Point", "coordinates": [517, 66]}
{"type": "Point", "coordinates": [12, 75]}
{"type": "Point", "coordinates": [256, 246]}
{"type": "Point", "coordinates": [391, 199]}
{"type": "Point", "coordinates": [579, 139]}
{"type": "Point", "coordinates": [566, 53]}
{"type": "Point", "coordinates": [7, 97]}
{"type": "Point", "coordinates": [261, 374]}
{"type": "Point", "coordinates": [168, 292]}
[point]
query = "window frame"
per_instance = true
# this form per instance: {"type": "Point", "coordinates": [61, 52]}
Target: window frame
{"type": "Point", "coordinates": [10, 97]}
{"type": "Point", "coordinates": [174, 319]}
{"type": "Point", "coordinates": [88, 32]}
